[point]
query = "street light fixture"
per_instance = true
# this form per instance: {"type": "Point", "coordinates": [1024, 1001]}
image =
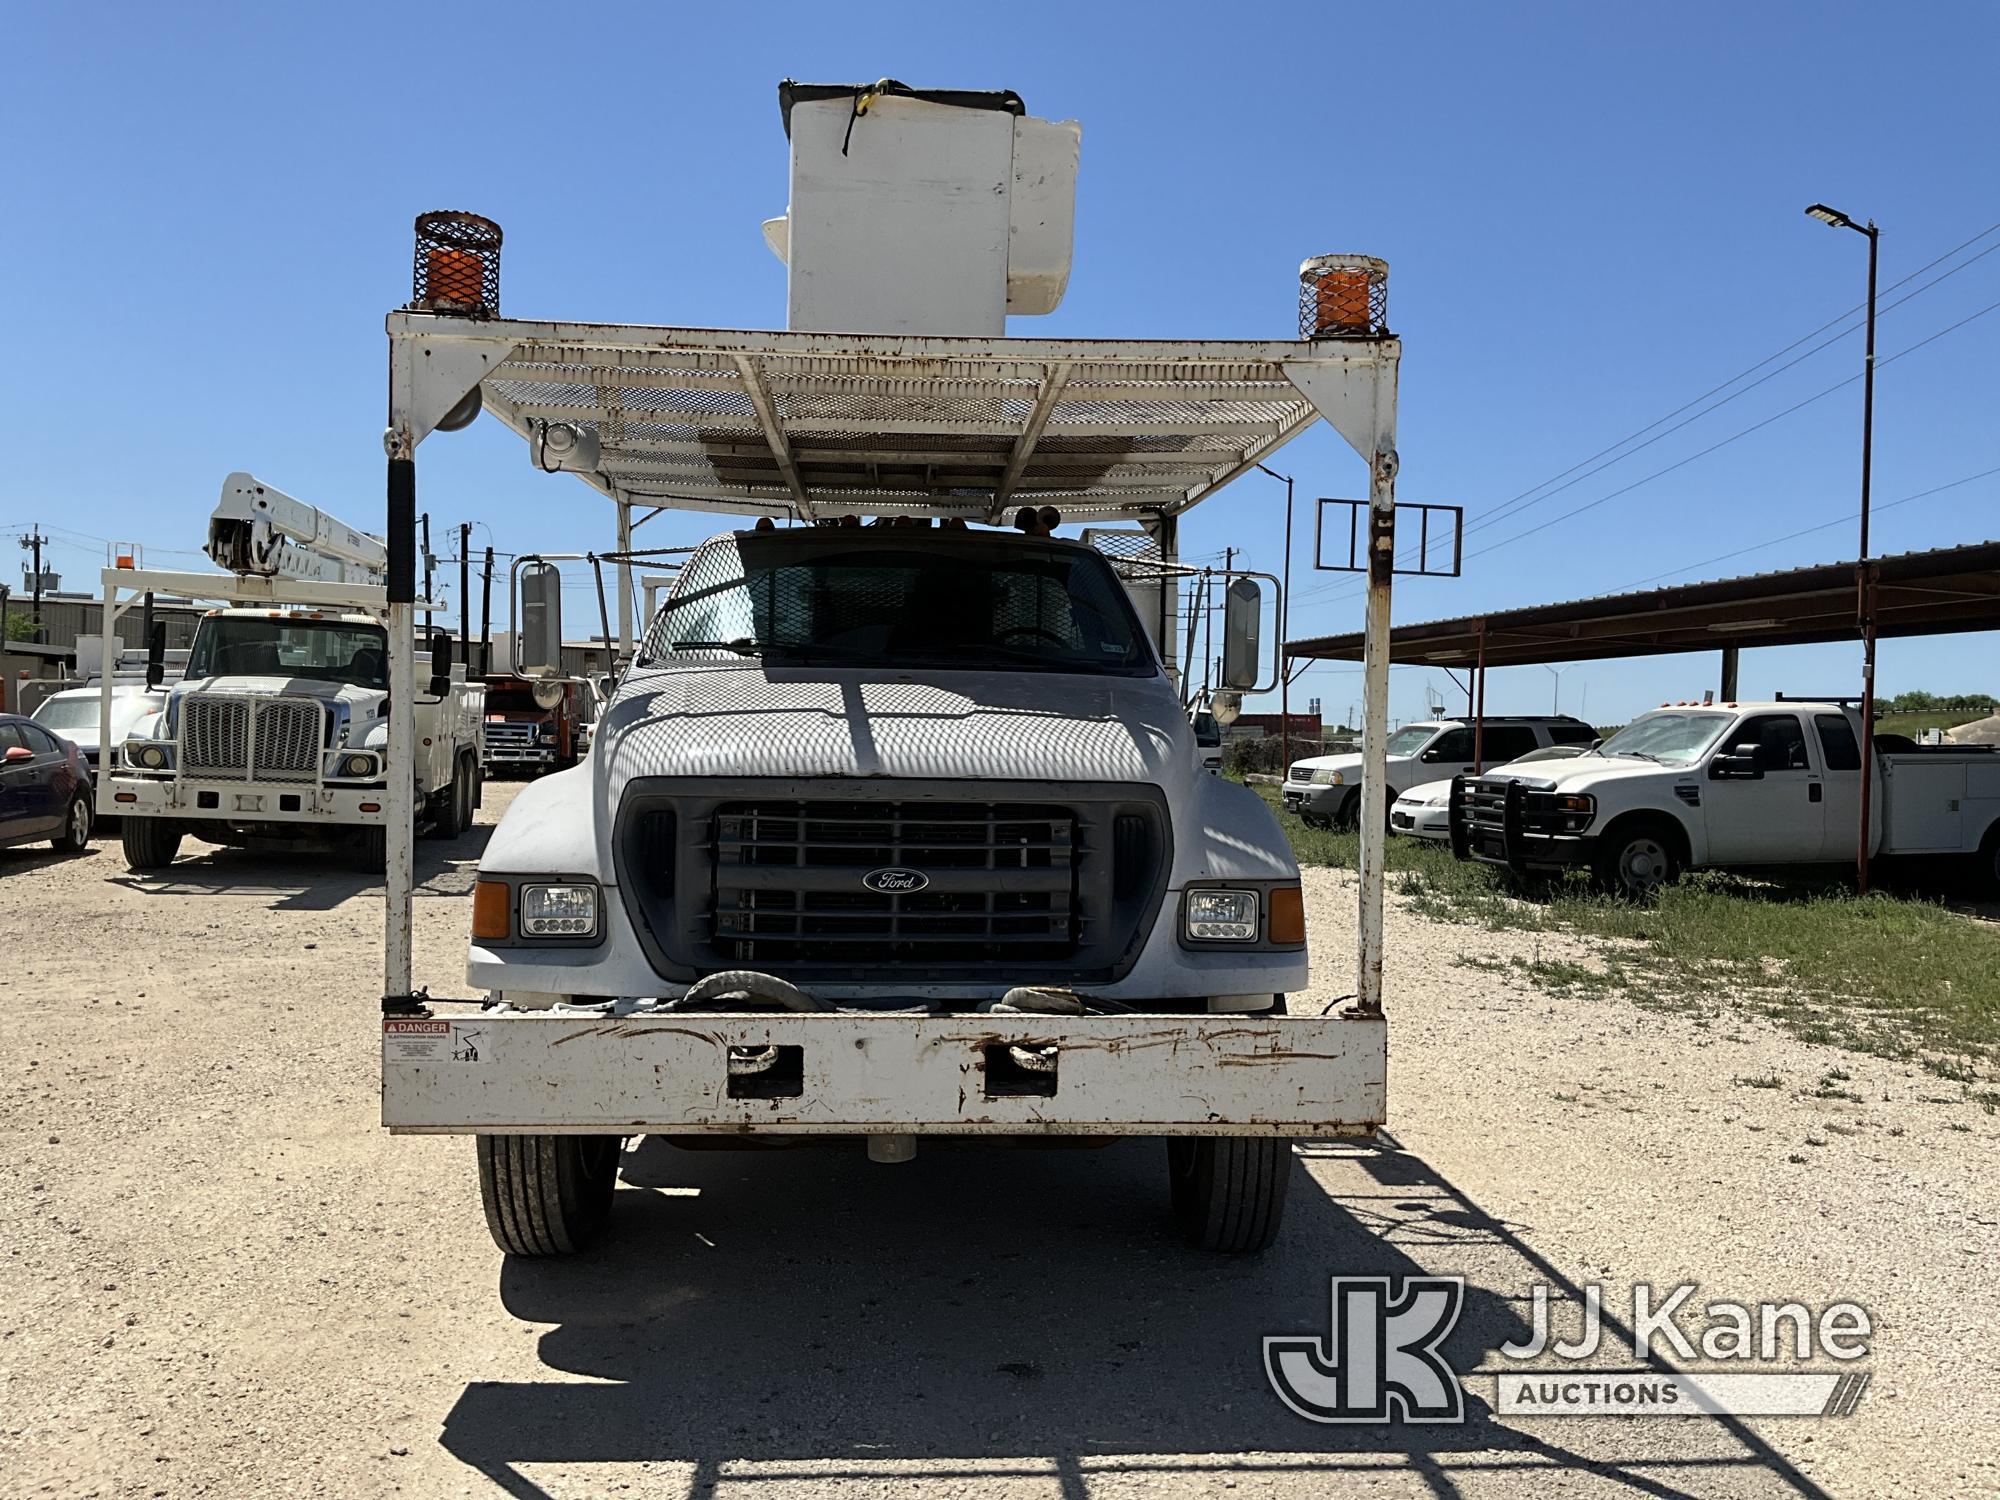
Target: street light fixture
{"type": "Point", "coordinates": [1864, 594]}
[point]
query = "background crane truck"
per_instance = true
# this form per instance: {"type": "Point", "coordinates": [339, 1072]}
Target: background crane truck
{"type": "Point", "coordinates": [279, 727]}
{"type": "Point", "coordinates": [894, 826]}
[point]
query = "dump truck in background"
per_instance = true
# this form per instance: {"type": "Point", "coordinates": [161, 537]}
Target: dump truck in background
{"type": "Point", "coordinates": [535, 727]}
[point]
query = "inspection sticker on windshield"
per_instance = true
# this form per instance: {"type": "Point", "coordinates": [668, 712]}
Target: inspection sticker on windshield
{"type": "Point", "coordinates": [432, 1041]}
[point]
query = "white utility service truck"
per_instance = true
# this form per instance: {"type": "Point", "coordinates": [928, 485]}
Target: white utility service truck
{"type": "Point", "coordinates": [278, 729]}
{"type": "Point", "coordinates": [1696, 786]}
{"type": "Point", "coordinates": [896, 825]}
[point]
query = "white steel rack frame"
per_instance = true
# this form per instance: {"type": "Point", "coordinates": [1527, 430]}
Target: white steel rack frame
{"type": "Point", "coordinates": [814, 425]}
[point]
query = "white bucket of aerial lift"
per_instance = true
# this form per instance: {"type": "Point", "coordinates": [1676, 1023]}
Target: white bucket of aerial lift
{"type": "Point", "coordinates": [923, 212]}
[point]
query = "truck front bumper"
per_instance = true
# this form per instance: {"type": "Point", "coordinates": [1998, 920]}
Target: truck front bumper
{"type": "Point", "coordinates": [585, 1072]}
{"type": "Point", "coordinates": [242, 802]}
{"type": "Point", "coordinates": [1510, 830]}
{"type": "Point", "coordinates": [1311, 797]}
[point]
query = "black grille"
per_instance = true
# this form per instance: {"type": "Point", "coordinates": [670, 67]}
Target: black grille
{"type": "Point", "coordinates": [808, 882]}
{"type": "Point", "coordinates": [1501, 815]}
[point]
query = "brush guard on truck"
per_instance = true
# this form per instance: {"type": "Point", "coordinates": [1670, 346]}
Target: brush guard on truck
{"type": "Point", "coordinates": [591, 1071]}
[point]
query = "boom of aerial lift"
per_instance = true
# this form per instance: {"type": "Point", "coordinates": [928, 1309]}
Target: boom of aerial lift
{"type": "Point", "coordinates": [259, 531]}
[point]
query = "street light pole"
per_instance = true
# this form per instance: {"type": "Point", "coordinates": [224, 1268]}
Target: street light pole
{"type": "Point", "coordinates": [1284, 630]}
{"type": "Point", "coordinates": [1864, 592]}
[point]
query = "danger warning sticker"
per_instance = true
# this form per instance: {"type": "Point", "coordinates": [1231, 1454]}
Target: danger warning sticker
{"type": "Point", "coordinates": [431, 1041]}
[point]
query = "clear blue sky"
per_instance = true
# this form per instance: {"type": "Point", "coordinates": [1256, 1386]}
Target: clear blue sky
{"type": "Point", "coordinates": [1592, 214]}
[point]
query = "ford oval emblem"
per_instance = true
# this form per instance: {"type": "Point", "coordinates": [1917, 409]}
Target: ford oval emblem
{"type": "Point", "coordinates": [894, 882]}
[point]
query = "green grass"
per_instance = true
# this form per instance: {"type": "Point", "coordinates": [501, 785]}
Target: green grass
{"type": "Point", "coordinates": [1914, 724]}
{"type": "Point", "coordinates": [1896, 975]}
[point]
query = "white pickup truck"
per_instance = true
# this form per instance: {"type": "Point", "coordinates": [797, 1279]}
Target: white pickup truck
{"type": "Point", "coordinates": [1731, 786]}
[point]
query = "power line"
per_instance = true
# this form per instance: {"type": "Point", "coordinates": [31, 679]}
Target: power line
{"type": "Point", "coordinates": [1499, 511]}
{"type": "Point", "coordinates": [1522, 501]}
{"type": "Point", "coordinates": [1793, 536]}
{"type": "Point", "coordinates": [1725, 442]}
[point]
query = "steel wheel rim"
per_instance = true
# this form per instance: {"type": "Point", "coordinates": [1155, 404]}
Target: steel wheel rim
{"type": "Point", "coordinates": [1642, 864]}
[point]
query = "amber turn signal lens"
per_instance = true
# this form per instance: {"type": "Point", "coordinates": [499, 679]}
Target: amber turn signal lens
{"type": "Point", "coordinates": [491, 903]}
{"type": "Point", "coordinates": [1288, 915]}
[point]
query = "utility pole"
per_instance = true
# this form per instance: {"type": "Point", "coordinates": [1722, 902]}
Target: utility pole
{"type": "Point", "coordinates": [465, 596]}
{"type": "Point", "coordinates": [1864, 585]}
{"type": "Point", "coordinates": [33, 543]}
{"type": "Point", "coordinates": [486, 619]}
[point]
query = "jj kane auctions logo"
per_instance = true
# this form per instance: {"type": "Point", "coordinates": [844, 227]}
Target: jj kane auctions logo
{"type": "Point", "coordinates": [1381, 1359]}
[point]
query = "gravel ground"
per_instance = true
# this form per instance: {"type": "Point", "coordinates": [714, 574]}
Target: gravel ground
{"type": "Point", "coordinates": [221, 1278]}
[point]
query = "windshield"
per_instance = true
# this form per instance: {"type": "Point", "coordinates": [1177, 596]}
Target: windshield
{"type": "Point", "coordinates": [1667, 737]}
{"type": "Point", "coordinates": [1207, 732]}
{"type": "Point", "coordinates": [795, 597]}
{"type": "Point", "coordinates": [321, 650]}
{"type": "Point", "coordinates": [66, 714]}
{"type": "Point", "coordinates": [1409, 740]}
{"type": "Point", "coordinates": [512, 698]}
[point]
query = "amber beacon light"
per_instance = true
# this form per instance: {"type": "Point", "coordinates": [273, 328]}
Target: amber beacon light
{"type": "Point", "coordinates": [1343, 297]}
{"type": "Point", "coordinates": [457, 265]}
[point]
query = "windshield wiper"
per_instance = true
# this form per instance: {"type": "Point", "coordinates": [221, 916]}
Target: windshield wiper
{"type": "Point", "coordinates": [1636, 755]}
{"type": "Point", "coordinates": [742, 646]}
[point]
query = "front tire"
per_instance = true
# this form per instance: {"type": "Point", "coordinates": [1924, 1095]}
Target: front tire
{"type": "Point", "coordinates": [547, 1194]}
{"type": "Point", "coordinates": [369, 850]}
{"type": "Point", "coordinates": [1637, 859]}
{"type": "Point", "coordinates": [1229, 1190]}
{"type": "Point", "coordinates": [1989, 862]}
{"type": "Point", "coordinates": [76, 826]}
{"type": "Point", "coordinates": [150, 843]}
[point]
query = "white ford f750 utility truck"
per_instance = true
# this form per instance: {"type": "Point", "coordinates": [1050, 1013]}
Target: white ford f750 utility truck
{"type": "Point", "coordinates": [896, 825]}
{"type": "Point", "coordinates": [278, 729]}
{"type": "Point", "coordinates": [1739, 785]}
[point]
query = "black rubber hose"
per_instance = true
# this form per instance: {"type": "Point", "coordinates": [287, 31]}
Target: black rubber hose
{"type": "Point", "coordinates": [745, 989]}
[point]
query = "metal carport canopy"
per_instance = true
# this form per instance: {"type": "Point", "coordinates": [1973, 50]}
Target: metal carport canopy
{"type": "Point", "coordinates": [814, 425]}
{"type": "Point", "coordinates": [1948, 590]}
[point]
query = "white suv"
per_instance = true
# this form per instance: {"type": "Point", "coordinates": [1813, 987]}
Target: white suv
{"type": "Point", "coordinates": [1325, 790]}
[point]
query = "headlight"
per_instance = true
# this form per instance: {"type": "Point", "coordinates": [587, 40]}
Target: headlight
{"type": "Point", "coordinates": [1324, 777]}
{"type": "Point", "coordinates": [357, 765]}
{"type": "Point", "coordinates": [546, 732]}
{"type": "Point", "coordinates": [558, 910]}
{"type": "Point", "coordinates": [1577, 810]}
{"type": "Point", "coordinates": [1222, 916]}
{"type": "Point", "coordinates": [149, 757]}
{"type": "Point", "coordinates": [1438, 799]}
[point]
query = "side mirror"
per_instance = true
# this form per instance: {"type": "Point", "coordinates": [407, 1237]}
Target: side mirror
{"type": "Point", "coordinates": [156, 655]}
{"type": "Point", "coordinates": [1242, 630]}
{"type": "Point", "coordinates": [1598, 743]}
{"type": "Point", "coordinates": [538, 652]}
{"type": "Point", "coordinates": [17, 753]}
{"type": "Point", "coordinates": [440, 664]}
{"type": "Point", "coordinates": [1226, 707]}
{"type": "Point", "coordinates": [1739, 764]}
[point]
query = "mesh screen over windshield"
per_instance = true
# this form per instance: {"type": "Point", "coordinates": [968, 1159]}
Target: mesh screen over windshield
{"type": "Point", "coordinates": [999, 603]}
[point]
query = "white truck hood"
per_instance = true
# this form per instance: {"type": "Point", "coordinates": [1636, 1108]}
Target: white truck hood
{"type": "Point", "coordinates": [1583, 771]}
{"type": "Point", "coordinates": [274, 685]}
{"type": "Point", "coordinates": [828, 722]}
